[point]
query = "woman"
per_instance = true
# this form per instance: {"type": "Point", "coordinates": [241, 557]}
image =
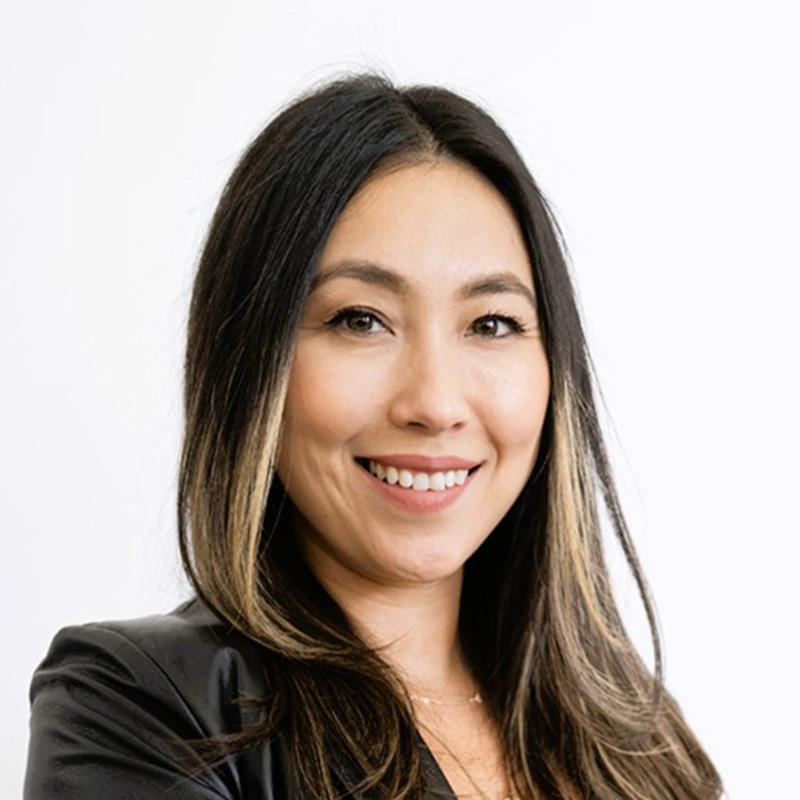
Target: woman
{"type": "Point", "coordinates": [387, 500]}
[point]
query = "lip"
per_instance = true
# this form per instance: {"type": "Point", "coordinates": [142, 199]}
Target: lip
{"type": "Point", "coordinates": [422, 463]}
{"type": "Point", "coordinates": [414, 500]}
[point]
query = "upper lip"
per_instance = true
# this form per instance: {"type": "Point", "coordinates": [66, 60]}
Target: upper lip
{"type": "Point", "coordinates": [424, 463]}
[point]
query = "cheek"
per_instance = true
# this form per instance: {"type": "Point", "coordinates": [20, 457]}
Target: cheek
{"type": "Point", "coordinates": [513, 400]}
{"type": "Point", "coordinates": [329, 401]}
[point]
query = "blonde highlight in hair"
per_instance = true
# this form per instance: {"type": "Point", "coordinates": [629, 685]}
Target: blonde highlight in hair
{"type": "Point", "coordinates": [581, 715]}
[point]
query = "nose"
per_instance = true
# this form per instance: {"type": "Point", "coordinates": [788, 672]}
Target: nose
{"type": "Point", "coordinates": [430, 390]}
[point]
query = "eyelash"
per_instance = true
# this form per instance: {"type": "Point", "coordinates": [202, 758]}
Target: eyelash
{"type": "Point", "coordinates": [517, 326]}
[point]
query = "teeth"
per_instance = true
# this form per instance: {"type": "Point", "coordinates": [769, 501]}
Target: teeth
{"type": "Point", "coordinates": [418, 481]}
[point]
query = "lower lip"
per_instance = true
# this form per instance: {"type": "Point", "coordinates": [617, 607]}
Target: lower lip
{"type": "Point", "coordinates": [416, 500]}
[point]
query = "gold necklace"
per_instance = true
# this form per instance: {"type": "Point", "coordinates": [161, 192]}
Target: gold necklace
{"type": "Point", "coordinates": [475, 698]}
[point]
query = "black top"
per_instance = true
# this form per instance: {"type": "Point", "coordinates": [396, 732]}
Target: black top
{"type": "Point", "coordinates": [109, 695]}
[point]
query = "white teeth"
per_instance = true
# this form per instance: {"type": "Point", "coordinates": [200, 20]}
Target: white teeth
{"type": "Point", "coordinates": [418, 481]}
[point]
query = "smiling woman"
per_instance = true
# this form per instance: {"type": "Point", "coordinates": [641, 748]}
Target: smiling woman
{"type": "Point", "coordinates": [388, 500]}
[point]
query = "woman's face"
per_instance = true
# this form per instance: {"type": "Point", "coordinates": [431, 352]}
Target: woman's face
{"type": "Point", "coordinates": [429, 260]}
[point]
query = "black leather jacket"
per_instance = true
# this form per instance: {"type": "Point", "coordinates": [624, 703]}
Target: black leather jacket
{"type": "Point", "coordinates": [108, 696]}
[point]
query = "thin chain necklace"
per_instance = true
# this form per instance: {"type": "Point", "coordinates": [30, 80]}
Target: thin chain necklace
{"type": "Point", "coordinates": [475, 698]}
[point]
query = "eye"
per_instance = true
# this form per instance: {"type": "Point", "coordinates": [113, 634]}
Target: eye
{"type": "Point", "coordinates": [516, 325]}
{"type": "Point", "coordinates": [346, 315]}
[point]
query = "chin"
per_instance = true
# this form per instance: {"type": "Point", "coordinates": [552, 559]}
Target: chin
{"type": "Point", "coordinates": [428, 564]}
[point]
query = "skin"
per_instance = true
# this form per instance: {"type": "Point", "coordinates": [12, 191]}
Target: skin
{"type": "Point", "coordinates": [421, 376]}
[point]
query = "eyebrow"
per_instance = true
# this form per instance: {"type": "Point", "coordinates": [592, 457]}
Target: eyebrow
{"type": "Point", "coordinates": [503, 282]}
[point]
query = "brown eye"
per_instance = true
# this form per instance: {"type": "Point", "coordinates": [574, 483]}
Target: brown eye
{"type": "Point", "coordinates": [360, 319]}
{"type": "Point", "coordinates": [490, 323]}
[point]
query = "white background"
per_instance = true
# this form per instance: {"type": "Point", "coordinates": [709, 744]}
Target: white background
{"type": "Point", "coordinates": [664, 134]}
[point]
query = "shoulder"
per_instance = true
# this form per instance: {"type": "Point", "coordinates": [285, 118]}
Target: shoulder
{"type": "Point", "coordinates": [187, 653]}
{"type": "Point", "coordinates": [110, 698]}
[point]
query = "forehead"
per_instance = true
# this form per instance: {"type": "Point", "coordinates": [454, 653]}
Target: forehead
{"type": "Point", "coordinates": [437, 224]}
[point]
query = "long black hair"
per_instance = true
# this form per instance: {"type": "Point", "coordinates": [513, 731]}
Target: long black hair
{"type": "Point", "coordinates": [580, 713]}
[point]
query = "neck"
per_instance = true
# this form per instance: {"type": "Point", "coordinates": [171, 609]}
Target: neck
{"type": "Point", "coordinates": [415, 625]}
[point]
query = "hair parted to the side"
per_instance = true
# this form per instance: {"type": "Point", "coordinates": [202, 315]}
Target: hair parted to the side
{"type": "Point", "coordinates": [581, 714]}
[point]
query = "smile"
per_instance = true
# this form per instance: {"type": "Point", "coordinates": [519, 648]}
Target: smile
{"type": "Point", "coordinates": [414, 490]}
{"type": "Point", "coordinates": [417, 480]}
